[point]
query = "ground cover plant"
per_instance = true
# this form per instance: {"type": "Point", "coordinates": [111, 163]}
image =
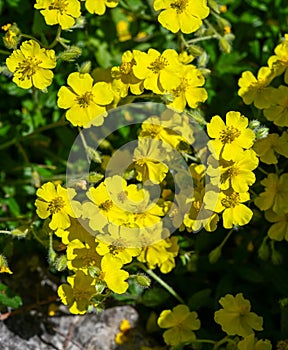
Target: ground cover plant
{"type": "Point", "coordinates": [143, 161]}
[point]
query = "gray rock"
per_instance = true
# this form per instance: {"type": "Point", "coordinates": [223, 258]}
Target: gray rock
{"type": "Point", "coordinates": [87, 332]}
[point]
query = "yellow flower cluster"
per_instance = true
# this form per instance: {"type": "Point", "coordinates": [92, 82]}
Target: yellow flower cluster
{"type": "Point", "coordinates": [274, 102]}
{"type": "Point", "coordinates": [230, 167]}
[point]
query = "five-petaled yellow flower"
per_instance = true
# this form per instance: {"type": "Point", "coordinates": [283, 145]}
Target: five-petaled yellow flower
{"type": "Point", "coordinates": [86, 102]}
{"type": "Point", "coordinates": [183, 15]}
{"type": "Point", "coordinates": [230, 138]}
{"type": "Point", "coordinates": [31, 65]}
{"type": "Point", "coordinates": [63, 12]}
{"type": "Point", "coordinates": [58, 202]}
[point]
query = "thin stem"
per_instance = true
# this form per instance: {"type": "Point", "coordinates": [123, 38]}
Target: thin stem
{"type": "Point", "coordinates": [4, 52]}
{"type": "Point", "coordinates": [31, 37]}
{"type": "Point", "coordinates": [262, 170]}
{"type": "Point", "coordinates": [56, 40]}
{"type": "Point", "coordinates": [6, 232]}
{"type": "Point", "coordinates": [203, 38]}
{"type": "Point", "coordinates": [222, 341]}
{"type": "Point", "coordinates": [226, 238]}
{"type": "Point", "coordinates": [208, 341]}
{"type": "Point", "coordinates": [161, 282]}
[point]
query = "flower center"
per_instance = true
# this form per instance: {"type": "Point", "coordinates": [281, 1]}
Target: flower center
{"type": "Point", "coordinates": [159, 64]}
{"type": "Point", "coordinates": [27, 67]}
{"type": "Point", "coordinates": [231, 172]}
{"type": "Point", "coordinates": [58, 5]}
{"type": "Point", "coordinates": [229, 134]}
{"type": "Point", "coordinates": [108, 204]}
{"type": "Point", "coordinates": [231, 201]}
{"type": "Point", "coordinates": [85, 100]}
{"type": "Point", "coordinates": [126, 67]}
{"type": "Point", "coordinates": [180, 88]}
{"type": "Point", "coordinates": [179, 5]}
{"type": "Point", "coordinates": [122, 196]}
{"type": "Point", "coordinates": [56, 205]}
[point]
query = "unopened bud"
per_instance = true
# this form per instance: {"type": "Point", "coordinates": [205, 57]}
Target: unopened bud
{"type": "Point", "coordinates": [93, 271]}
{"type": "Point", "coordinates": [95, 177]}
{"type": "Point", "coordinates": [70, 54]}
{"type": "Point", "coordinates": [261, 133]}
{"type": "Point", "coordinates": [93, 155]}
{"type": "Point", "coordinates": [85, 67]}
{"type": "Point", "coordinates": [276, 257]}
{"type": "Point", "coordinates": [100, 286]}
{"type": "Point", "coordinates": [203, 60]}
{"type": "Point", "coordinates": [254, 124]}
{"type": "Point", "coordinates": [224, 45]}
{"type": "Point", "coordinates": [60, 263]}
{"type": "Point", "coordinates": [264, 250]}
{"type": "Point", "coordinates": [215, 254]}
{"type": "Point", "coordinates": [195, 50]}
{"type": "Point", "coordinates": [214, 6]}
{"type": "Point", "coordinates": [142, 280]}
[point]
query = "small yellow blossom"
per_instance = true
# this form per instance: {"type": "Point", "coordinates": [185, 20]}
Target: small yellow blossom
{"type": "Point", "coordinates": [148, 161]}
{"type": "Point", "coordinates": [123, 32]}
{"type": "Point", "coordinates": [63, 12]}
{"type": "Point", "coordinates": [235, 318]}
{"type": "Point", "coordinates": [4, 268]}
{"type": "Point", "coordinates": [57, 202]}
{"type": "Point", "coordinates": [159, 71]}
{"type": "Point", "coordinates": [99, 6]}
{"type": "Point", "coordinates": [77, 293]}
{"type": "Point", "coordinates": [121, 337]}
{"type": "Point", "coordinates": [236, 173]}
{"type": "Point", "coordinates": [181, 323]}
{"type": "Point", "coordinates": [268, 148]}
{"type": "Point", "coordinates": [279, 61]}
{"type": "Point", "coordinates": [183, 15]}
{"type": "Point", "coordinates": [189, 90]}
{"type": "Point", "coordinates": [31, 64]}
{"type": "Point", "coordinates": [275, 194]}
{"type": "Point", "coordinates": [230, 138]}
{"type": "Point", "coordinates": [256, 90]}
{"type": "Point", "coordinates": [86, 102]}
{"type": "Point", "coordinates": [279, 230]}
{"type": "Point", "coordinates": [230, 203]}
{"type": "Point", "coordinates": [277, 112]}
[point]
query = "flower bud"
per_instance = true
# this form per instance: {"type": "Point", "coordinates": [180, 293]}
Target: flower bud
{"type": "Point", "coordinates": [214, 6]}
{"type": "Point", "coordinates": [60, 263]}
{"type": "Point", "coordinates": [254, 124]}
{"type": "Point", "coordinates": [85, 67]}
{"type": "Point", "coordinates": [264, 250]}
{"type": "Point", "coordinates": [261, 133]}
{"type": "Point", "coordinates": [143, 280]}
{"type": "Point", "coordinates": [4, 265]}
{"type": "Point", "coordinates": [70, 54]}
{"type": "Point", "coordinates": [215, 254]}
{"type": "Point", "coordinates": [93, 155]}
{"type": "Point", "coordinates": [12, 36]}
{"type": "Point", "coordinates": [224, 45]}
{"type": "Point", "coordinates": [93, 271]}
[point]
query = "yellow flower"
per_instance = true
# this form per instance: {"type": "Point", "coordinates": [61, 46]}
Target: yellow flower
{"type": "Point", "coordinates": [279, 230]}
{"type": "Point", "coordinates": [198, 216]}
{"type": "Point", "coordinates": [256, 90]}
{"type": "Point", "coordinates": [99, 6]}
{"type": "Point", "coordinates": [125, 74]}
{"type": "Point", "coordinates": [78, 292]}
{"type": "Point", "coordinates": [230, 202]}
{"type": "Point", "coordinates": [277, 112]}
{"type": "Point", "coordinates": [148, 161]}
{"type": "Point", "coordinates": [159, 71]}
{"type": "Point", "coordinates": [189, 90]}
{"type": "Point", "coordinates": [58, 202]}
{"type": "Point", "coordinates": [81, 256]}
{"type": "Point", "coordinates": [268, 147]}
{"type": "Point", "coordinates": [235, 318]}
{"type": "Point", "coordinates": [75, 231]}
{"type": "Point", "coordinates": [275, 194]}
{"type": "Point", "coordinates": [250, 343]}
{"type": "Point", "coordinates": [181, 323]}
{"type": "Point", "coordinates": [31, 65]}
{"type": "Point", "coordinates": [121, 337]}
{"type": "Point", "coordinates": [113, 275]}
{"type": "Point", "coordinates": [230, 138]}
{"type": "Point", "coordinates": [63, 12]}
{"type": "Point", "coordinates": [84, 100]}
{"type": "Point", "coordinates": [123, 32]}
{"type": "Point", "coordinates": [161, 252]}
{"type": "Point", "coordinates": [279, 61]}
{"type": "Point", "coordinates": [236, 173]}
{"type": "Point", "coordinates": [184, 15]}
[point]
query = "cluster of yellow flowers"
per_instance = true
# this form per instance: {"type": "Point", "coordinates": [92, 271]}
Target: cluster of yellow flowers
{"type": "Point", "coordinates": [273, 101]}
{"type": "Point", "coordinates": [235, 319]}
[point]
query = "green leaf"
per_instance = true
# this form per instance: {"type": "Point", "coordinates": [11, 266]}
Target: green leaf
{"type": "Point", "coordinates": [8, 298]}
